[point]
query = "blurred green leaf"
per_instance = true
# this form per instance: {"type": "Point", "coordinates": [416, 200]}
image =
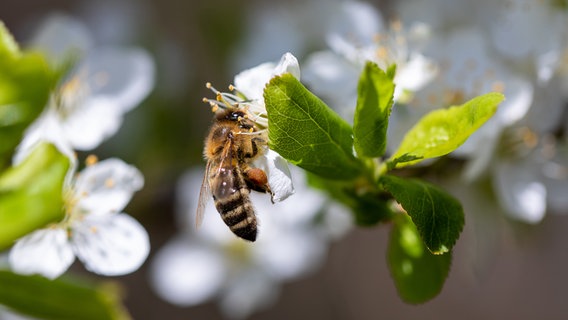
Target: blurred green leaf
{"type": "Point", "coordinates": [59, 299]}
{"type": "Point", "coordinates": [26, 81]}
{"type": "Point", "coordinates": [418, 274]}
{"type": "Point", "coordinates": [307, 132]}
{"type": "Point", "coordinates": [442, 131]}
{"type": "Point", "coordinates": [31, 193]}
{"type": "Point", "coordinates": [374, 102]}
{"type": "Point", "coordinates": [8, 47]}
{"type": "Point", "coordinates": [438, 216]}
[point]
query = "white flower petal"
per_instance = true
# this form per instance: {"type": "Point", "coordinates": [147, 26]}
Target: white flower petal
{"type": "Point", "coordinates": [357, 26]}
{"type": "Point", "coordinates": [97, 119]}
{"type": "Point", "coordinates": [107, 186]}
{"type": "Point", "coordinates": [519, 191]}
{"type": "Point", "coordinates": [334, 79]}
{"type": "Point", "coordinates": [251, 82]}
{"type": "Point", "coordinates": [413, 75]}
{"type": "Point", "coordinates": [46, 252]}
{"type": "Point", "coordinates": [298, 210]}
{"type": "Point", "coordinates": [279, 177]}
{"type": "Point", "coordinates": [110, 245]}
{"type": "Point", "coordinates": [514, 36]}
{"type": "Point", "coordinates": [60, 36]}
{"type": "Point", "coordinates": [546, 65]}
{"type": "Point", "coordinates": [121, 76]}
{"type": "Point", "coordinates": [186, 274]}
{"type": "Point", "coordinates": [519, 93]}
{"type": "Point", "coordinates": [288, 64]}
{"type": "Point", "coordinates": [45, 128]}
{"type": "Point", "coordinates": [290, 253]}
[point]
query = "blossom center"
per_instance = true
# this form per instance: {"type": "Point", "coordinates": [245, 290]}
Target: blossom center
{"type": "Point", "coordinates": [235, 99]}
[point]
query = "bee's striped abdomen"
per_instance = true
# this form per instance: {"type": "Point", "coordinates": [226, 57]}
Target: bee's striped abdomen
{"type": "Point", "coordinates": [237, 211]}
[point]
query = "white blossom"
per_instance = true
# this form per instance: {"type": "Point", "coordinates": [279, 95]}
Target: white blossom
{"type": "Point", "coordinates": [87, 106]}
{"type": "Point", "coordinates": [360, 35]}
{"type": "Point", "coordinates": [94, 229]}
{"type": "Point", "coordinates": [208, 262]}
{"type": "Point", "coordinates": [250, 84]}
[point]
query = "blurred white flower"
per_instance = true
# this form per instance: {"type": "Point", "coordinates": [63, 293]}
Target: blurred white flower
{"type": "Point", "coordinates": [6, 314]}
{"type": "Point", "coordinates": [530, 32]}
{"type": "Point", "coordinates": [88, 105]}
{"type": "Point", "coordinates": [359, 35]}
{"type": "Point", "coordinates": [467, 70]}
{"type": "Point", "coordinates": [300, 27]}
{"type": "Point", "coordinates": [94, 229]}
{"type": "Point", "coordinates": [249, 85]}
{"type": "Point", "coordinates": [200, 264]}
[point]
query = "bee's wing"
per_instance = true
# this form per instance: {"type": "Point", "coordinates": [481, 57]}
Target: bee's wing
{"type": "Point", "coordinates": [204, 196]}
{"type": "Point", "coordinates": [205, 193]}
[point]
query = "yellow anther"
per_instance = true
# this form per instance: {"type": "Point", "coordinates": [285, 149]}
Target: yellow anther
{"type": "Point", "coordinates": [109, 183]}
{"type": "Point", "coordinates": [208, 85]}
{"type": "Point", "coordinates": [231, 87]}
{"type": "Point", "coordinates": [498, 86]}
{"type": "Point", "coordinates": [91, 160]}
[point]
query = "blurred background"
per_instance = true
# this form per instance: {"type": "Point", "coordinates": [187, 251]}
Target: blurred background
{"type": "Point", "coordinates": [501, 269]}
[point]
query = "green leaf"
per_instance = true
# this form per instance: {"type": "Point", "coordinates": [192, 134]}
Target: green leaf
{"type": "Point", "coordinates": [26, 81]}
{"type": "Point", "coordinates": [31, 193]}
{"type": "Point", "coordinates": [418, 274]}
{"type": "Point", "coordinates": [8, 46]}
{"type": "Point", "coordinates": [39, 297]}
{"type": "Point", "coordinates": [438, 216]}
{"type": "Point", "coordinates": [374, 102]}
{"type": "Point", "coordinates": [306, 132]}
{"type": "Point", "coordinates": [369, 206]}
{"type": "Point", "coordinates": [442, 131]}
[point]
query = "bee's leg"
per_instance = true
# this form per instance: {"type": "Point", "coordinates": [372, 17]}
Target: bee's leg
{"type": "Point", "coordinates": [257, 180]}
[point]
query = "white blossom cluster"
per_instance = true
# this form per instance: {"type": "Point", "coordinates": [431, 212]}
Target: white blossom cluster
{"type": "Point", "coordinates": [446, 52]}
{"type": "Point", "coordinates": [199, 264]}
{"type": "Point", "coordinates": [86, 107]}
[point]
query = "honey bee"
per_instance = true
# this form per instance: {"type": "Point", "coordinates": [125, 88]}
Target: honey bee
{"type": "Point", "coordinates": [233, 143]}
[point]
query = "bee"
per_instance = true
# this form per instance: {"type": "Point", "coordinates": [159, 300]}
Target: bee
{"type": "Point", "coordinates": [233, 143]}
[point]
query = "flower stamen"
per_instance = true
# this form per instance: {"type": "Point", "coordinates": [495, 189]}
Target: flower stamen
{"type": "Point", "coordinates": [235, 100]}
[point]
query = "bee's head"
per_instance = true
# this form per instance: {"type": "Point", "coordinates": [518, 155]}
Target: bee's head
{"type": "Point", "coordinates": [234, 115]}
{"type": "Point", "coordinates": [230, 114]}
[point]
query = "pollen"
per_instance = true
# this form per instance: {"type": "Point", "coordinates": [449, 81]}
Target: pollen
{"type": "Point", "coordinates": [91, 160]}
{"type": "Point", "coordinates": [72, 85]}
{"type": "Point", "coordinates": [529, 137]}
{"type": "Point", "coordinates": [109, 183]}
{"type": "Point", "coordinates": [498, 86]}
